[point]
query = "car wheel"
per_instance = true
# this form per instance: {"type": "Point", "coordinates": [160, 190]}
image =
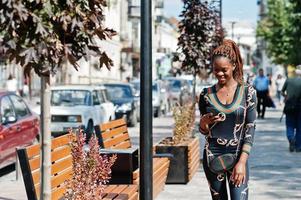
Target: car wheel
{"type": "Point", "coordinates": [165, 110]}
{"type": "Point", "coordinates": [133, 119]}
{"type": "Point", "coordinates": [158, 112]}
{"type": "Point", "coordinates": [89, 130]}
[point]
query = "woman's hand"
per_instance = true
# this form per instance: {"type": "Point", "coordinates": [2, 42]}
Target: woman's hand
{"type": "Point", "coordinates": [207, 120]}
{"type": "Point", "coordinates": [238, 176]}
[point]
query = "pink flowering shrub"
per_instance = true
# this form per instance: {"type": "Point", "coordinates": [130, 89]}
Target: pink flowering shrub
{"type": "Point", "coordinates": [91, 171]}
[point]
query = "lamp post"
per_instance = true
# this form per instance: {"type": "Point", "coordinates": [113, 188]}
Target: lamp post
{"type": "Point", "coordinates": [232, 28]}
{"type": "Point", "coordinates": [146, 123]}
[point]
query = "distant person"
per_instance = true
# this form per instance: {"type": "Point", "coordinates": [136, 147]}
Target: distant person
{"type": "Point", "coordinates": [261, 84]}
{"type": "Point", "coordinates": [279, 85]}
{"type": "Point", "coordinates": [11, 84]}
{"type": "Point", "coordinates": [228, 113]}
{"type": "Point", "coordinates": [292, 97]}
{"type": "Point", "coordinates": [128, 79]}
{"type": "Point", "coordinates": [25, 90]}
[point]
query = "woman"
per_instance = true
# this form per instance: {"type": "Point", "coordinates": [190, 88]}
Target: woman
{"type": "Point", "coordinates": [228, 120]}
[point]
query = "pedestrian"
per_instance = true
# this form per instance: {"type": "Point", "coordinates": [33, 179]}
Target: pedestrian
{"type": "Point", "coordinates": [279, 85]}
{"type": "Point", "coordinates": [11, 84]}
{"type": "Point", "coordinates": [292, 98]}
{"type": "Point", "coordinates": [228, 113]}
{"type": "Point", "coordinates": [261, 85]}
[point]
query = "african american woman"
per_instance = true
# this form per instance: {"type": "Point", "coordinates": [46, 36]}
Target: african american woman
{"type": "Point", "coordinates": [228, 113]}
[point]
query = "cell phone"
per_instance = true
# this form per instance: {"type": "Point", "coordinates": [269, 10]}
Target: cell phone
{"type": "Point", "coordinates": [215, 112]}
{"type": "Point", "coordinates": [212, 110]}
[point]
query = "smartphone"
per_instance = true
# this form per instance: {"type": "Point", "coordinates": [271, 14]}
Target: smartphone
{"type": "Point", "coordinates": [212, 110]}
{"type": "Point", "coordinates": [215, 112]}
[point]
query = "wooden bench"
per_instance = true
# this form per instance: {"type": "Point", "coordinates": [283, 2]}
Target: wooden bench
{"type": "Point", "coordinates": [61, 170]}
{"type": "Point", "coordinates": [114, 135]}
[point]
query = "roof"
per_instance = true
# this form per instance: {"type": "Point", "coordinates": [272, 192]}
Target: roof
{"type": "Point", "coordinates": [78, 87]}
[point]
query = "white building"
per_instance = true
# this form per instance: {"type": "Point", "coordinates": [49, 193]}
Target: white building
{"type": "Point", "coordinates": [166, 39]}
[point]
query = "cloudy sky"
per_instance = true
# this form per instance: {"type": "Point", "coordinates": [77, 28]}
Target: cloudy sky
{"type": "Point", "coordinates": [233, 10]}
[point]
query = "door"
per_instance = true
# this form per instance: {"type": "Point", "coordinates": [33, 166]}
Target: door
{"type": "Point", "coordinates": [8, 132]}
{"type": "Point", "coordinates": [97, 109]}
{"type": "Point", "coordinates": [107, 106]}
{"type": "Point", "coordinates": [26, 124]}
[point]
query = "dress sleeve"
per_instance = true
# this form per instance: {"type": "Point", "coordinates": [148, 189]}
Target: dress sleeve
{"type": "Point", "coordinates": [202, 106]}
{"type": "Point", "coordinates": [202, 103]}
{"type": "Point", "coordinates": [250, 120]}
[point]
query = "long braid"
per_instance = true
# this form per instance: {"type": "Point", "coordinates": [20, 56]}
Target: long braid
{"type": "Point", "coordinates": [230, 50]}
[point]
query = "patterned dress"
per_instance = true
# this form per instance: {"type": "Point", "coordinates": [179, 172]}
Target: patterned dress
{"type": "Point", "coordinates": [235, 134]}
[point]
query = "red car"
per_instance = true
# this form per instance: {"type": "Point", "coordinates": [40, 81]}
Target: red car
{"type": "Point", "coordinates": [19, 126]}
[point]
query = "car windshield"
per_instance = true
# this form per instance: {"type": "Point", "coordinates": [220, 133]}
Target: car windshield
{"type": "Point", "coordinates": [136, 85]}
{"type": "Point", "coordinates": [119, 91]}
{"type": "Point", "coordinates": [155, 88]}
{"type": "Point", "coordinates": [70, 98]}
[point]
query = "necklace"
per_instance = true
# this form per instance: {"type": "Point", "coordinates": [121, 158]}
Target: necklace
{"type": "Point", "coordinates": [227, 91]}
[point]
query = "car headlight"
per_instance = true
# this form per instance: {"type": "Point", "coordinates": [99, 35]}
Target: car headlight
{"type": "Point", "coordinates": [74, 118]}
{"type": "Point", "coordinates": [125, 107]}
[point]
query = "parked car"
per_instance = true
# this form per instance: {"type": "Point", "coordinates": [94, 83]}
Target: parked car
{"type": "Point", "coordinates": [159, 93]}
{"type": "Point", "coordinates": [178, 91]}
{"type": "Point", "coordinates": [84, 106]}
{"type": "Point", "coordinates": [160, 98]}
{"type": "Point", "coordinates": [127, 105]}
{"type": "Point", "coordinates": [19, 126]}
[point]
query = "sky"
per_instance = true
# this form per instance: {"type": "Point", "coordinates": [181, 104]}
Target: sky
{"type": "Point", "coordinates": [233, 10]}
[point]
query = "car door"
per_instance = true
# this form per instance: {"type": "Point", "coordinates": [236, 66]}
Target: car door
{"type": "Point", "coordinates": [8, 131]}
{"type": "Point", "coordinates": [97, 109]}
{"type": "Point", "coordinates": [26, 124]}
{"type": "Point", "coordinates": [108, 107]}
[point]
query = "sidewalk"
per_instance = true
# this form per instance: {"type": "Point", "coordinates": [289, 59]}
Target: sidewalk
{"type": "Point", "coordinates": [275, 173]}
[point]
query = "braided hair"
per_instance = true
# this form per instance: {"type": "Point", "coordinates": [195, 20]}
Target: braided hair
{"type": "Point", "coordinates": [230, 50]}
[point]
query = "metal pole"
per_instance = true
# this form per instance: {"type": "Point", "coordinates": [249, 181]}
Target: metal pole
{"type": "Point", "coordinates": [146, 138]}
{"type": "Point", "coordinates": [221, 11]}
{"type": "Point", "coordinates": [232, 25]}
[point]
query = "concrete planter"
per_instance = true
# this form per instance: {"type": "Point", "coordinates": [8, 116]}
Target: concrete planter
{"type": "Point", "coordinates": [185, 161]}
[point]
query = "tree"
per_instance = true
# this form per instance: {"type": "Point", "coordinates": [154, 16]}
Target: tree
{"type": "Point", "coordinates": [281, 30]}
{"type": "Point", "coordinates": [200, 32]}
{"type": "Point", "coordinates": [295, 20]}
{"type": "Point", "coordinates": [40, 35]}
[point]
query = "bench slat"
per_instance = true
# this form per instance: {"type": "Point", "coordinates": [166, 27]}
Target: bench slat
{"type": "Point", "coordinates": [115, 192]}
{"type": "Point", "coordinates": [112, 124]}
{"type": "Point", "coordinates": [55, 155]}
{"type": "Point", "coordinates": [111, 133]}
{"type": "Point", "coordinates": [34, 150]}
{"type": "Point", "coordinates": [134, 197]}
{"type": "Point", "coordinates": [58, 193]}
{"type": "Point", "coordinates": [124, 145]}
{"type": "Point", "coordinates": [111, 143]}
{"type": "Point", "coordinates": [60, 178]}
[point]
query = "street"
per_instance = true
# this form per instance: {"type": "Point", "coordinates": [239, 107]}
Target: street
{"type": "Point", "coordinates": [275, 173]}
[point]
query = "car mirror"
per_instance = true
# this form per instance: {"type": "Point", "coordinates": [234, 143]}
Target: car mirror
{"type": "Point", "coordinates": [9, 119]}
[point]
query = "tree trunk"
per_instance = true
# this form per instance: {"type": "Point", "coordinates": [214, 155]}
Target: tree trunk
{"type": "Point", "coordinates": [45, 139]}
{"type": "Point", "coordinates": [193, 88]}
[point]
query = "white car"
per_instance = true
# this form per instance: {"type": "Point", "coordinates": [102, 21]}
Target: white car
{"type": "Point", "coordinates": [79, 106]}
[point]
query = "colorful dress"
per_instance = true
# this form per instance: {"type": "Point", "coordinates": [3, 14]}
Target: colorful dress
{"type": "Point", "coordinates": [233, 135]}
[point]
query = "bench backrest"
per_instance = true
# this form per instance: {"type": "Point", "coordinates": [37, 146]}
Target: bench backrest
{"type": "Point", "coordinates": [61, 167]}
{"type": "Point", "coordinates": [113, 135]}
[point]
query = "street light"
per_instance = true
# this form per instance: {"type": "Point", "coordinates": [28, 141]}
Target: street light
{"type": "Point", "coordinates": [232, 27]}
